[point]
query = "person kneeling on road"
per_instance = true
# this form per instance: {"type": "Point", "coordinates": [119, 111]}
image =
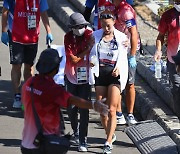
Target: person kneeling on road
{"type": "Point", "coordinates": [48, 99]}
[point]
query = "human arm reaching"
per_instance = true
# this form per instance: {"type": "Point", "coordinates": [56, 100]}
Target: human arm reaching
{"type": "Point", "coordinates": [98, 106]}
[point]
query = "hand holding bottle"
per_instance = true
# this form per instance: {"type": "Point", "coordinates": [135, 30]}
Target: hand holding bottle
{"type": "Point", "coordinates": [157, 55]}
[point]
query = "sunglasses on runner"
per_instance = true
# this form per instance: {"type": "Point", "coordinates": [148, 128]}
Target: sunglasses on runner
{"type": "Point", "coordinates": [106, 16]}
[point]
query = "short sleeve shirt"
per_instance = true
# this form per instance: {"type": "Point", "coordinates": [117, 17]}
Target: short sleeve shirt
{"type": "Point", "coordinates": [125, 13]}
{"type": "Point", "coordinates": [48, 98]}
{"type": "Point", "coordinates": [168, 24]}
{"type": "Point", "coordinates": [10, 5]}
{"type": "Point", "coordinates": [74, 45]}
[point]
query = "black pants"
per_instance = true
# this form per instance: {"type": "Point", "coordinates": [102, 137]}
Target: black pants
{"type": "Point", "coordinates": [82, 91]}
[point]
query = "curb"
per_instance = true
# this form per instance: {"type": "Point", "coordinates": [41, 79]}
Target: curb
{"type": "Point", "coordinates": [147, 102]}
{"type": "Point", "coordinates": [151, 107]}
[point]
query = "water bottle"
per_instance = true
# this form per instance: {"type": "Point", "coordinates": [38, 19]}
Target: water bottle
{"type": "Point", "coordinates": [164, 66]}
{"type": "Point", "coordinates": [158, 74]}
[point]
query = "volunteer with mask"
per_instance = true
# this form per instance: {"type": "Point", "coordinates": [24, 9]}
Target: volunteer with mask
{"type": "Point", "coordinates": [170, 25]}
{"type": "Point", "coordinates": [78, 42]}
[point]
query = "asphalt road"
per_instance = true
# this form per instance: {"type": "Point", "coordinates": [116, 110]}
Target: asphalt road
{"type": "Point", "coordinates": [11, 120]}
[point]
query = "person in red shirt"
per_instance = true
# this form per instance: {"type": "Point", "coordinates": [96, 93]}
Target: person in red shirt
{"type": "Point", "coordinates": [126, 23]}
{"type": "Point", "coordinates": [20, 30]}
{"type": "Point", "coordinates": [48, 97]}
{"type": "Point", "coordinates": [78, 42]}
{"type": "Point", "coordinates": [169, 24]}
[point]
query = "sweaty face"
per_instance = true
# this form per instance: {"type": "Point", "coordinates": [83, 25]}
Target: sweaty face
{"type": "Point", "coordinates": [107, 25]}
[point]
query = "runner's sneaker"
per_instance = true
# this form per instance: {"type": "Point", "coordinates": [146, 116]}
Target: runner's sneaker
{"type": "Point", "coordinates": [107, 148]}
{"type": "Point", "coordinates": [121, 120]}
{"type": "Point", "coordinates": [17, 102]}
{"type": "Point", "coordinates": [113, 138]}
{"type": "Point", "coordinates": [82, 147]}
{"type": "Point", "coordinates": [130, 119]}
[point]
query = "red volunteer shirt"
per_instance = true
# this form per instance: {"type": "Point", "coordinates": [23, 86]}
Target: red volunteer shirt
{"type": "Point", "coordinates": [168, 24]}
{"type": "Point", "coordinates": [74, 45]}
{"type": "Point", "coordinates": [20, 31]}
{"type": "Point", "coordinates": [48, 98]}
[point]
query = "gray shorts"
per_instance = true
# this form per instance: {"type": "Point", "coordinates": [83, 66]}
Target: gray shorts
{"type": "Point", "coordinates": [21, 53]}
{"type": "Point", "coordinates": [132, 71]}
{"type": "Point", "coordinates": [131, 75]}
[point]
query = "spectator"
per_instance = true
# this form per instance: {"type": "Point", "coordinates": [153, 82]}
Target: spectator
{"type": "Point", "coordinates": [48, 98]}
{"type": "Point", "coordinates": [20, 29]}
{"type": "Point", "coordinates": [111, 71]}
{"type": "Point", "coordinates": [169, 23]}
{"type": "Point", "coordinates": [90, 4]}
{"type": "Point", "coordinates": [78, 42]}
{"type": "Point", "coordinates": [126, 23]}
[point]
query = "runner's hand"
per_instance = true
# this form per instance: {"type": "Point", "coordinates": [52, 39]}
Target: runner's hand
{"type": "Point", "coordinates": [5, 38]}
{"type": "Point", "coordinates": [115, 72]}
{"type": "Point", "coordinates": [100, 107]}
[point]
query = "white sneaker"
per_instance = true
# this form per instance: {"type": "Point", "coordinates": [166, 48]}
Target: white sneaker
{"type": "Point", "coordinates": [121, 120]}
{"type": "Point", "coordinates": [107, 148]}
{"type": "Point", "coordinates": [113, 138]}
{"type": "Point", "coordinates": [130, 119]}
{"type": "Point", "coordinates": [17, 102]}
{"type": "Point", "coordinates": [82, 148]}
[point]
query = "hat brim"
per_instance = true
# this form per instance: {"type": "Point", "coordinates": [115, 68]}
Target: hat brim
{"type": "Point", "coordinates": [85, 24]}
{"type": "Point", "coordinates": [44, 68]}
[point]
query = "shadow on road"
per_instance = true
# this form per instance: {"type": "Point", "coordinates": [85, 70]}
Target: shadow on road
{"type": "Point", "coordinates": [6, 100]}
{"type": "Point", "coordinates": [10, 142]}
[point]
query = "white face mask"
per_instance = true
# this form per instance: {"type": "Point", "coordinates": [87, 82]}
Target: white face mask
{"type": "Point", "coordinates": [177, 7]}
{"type": "Point", "coordinates": [78, 32]}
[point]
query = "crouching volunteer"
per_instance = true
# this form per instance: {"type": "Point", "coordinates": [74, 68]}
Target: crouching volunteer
{"type": "Point", "coordinates": [48, 99]}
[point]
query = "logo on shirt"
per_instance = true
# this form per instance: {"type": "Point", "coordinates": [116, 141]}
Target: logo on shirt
{"type": "Point", "coordinates": [35, 91]}
{"type": "Point", "coordinates": [110, 54]}
{"type": "Point", "coordinates": [24, 14]}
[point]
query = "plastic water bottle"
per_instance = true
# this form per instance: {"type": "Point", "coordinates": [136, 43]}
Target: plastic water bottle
{"type": "Point", "coordinates": [158, 74]}
{"type": "Point", "coordinates": [164, 66]}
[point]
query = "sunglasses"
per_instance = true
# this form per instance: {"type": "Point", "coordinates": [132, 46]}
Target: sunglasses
{"type": "Point", "coordinates": [106, 16]}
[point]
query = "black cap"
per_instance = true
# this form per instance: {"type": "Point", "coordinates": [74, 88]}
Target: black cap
{"type": "Point", "coordinates": [77, 19]}
{"type": "Point", "coordinates": [176, 58]}
{"type": "Point", "coordinates": [48, 61]}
